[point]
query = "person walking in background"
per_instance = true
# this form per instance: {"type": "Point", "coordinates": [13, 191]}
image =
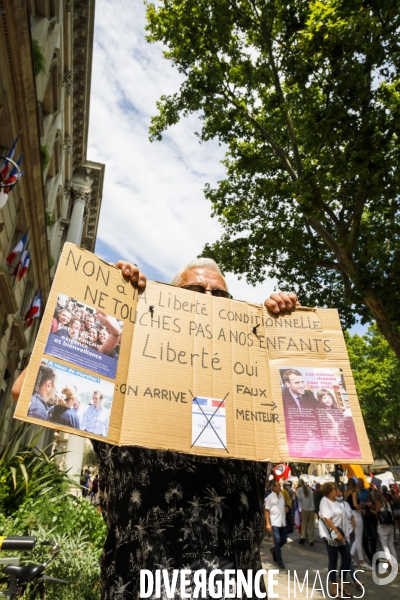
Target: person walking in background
{"type": "Point", "coordinates": [289, 513]}
{"type": "Point", "coordinates": [318, 495]}
{"type": "Point", "coordinates": [289, 488]}
{"type": "Point", "coordinates": [352, 500]}
{"type": "Point", "coordinates": [275, 514]}
{"type": "Point", "coordinates": [385, 494]}
{"type": "Point", "coordinates": [94, 489]}
{"type": "Point", "coordinates": [370, 532]}
{"type": "Point", "coordinates": [268, 491]}
{"type": "Point", "coordinates": [286, 495]}
{"type": "Point", "coordinates": [383, 511]}
{"type": "Point", "coordinates": [333, 528]}
{"type": "Point", "coordinates": [350, 524]}
{"type": "Point", "coordinates": [306, 500]}
{"type": "Point", "coordinates": [85, 482]}
{"type": "Point", "coordinates": [395, 505]}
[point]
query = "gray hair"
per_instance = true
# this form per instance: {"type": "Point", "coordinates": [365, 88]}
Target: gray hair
{"type": "Point", "coordinates": [198, 263]}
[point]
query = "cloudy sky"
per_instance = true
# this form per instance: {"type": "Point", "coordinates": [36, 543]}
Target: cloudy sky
{"type": "Point", "coordinates": [154, 212]}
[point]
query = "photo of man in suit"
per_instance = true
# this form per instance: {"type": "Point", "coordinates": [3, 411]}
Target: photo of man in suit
{"type": "Point", "coordinates": [300, 411]}
{"type": "Point", "coordinates": [294, 395]}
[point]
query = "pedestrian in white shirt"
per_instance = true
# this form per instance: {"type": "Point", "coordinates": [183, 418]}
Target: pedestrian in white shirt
{"type": "Point", "coordinates": [350, 529]}
{"type": "Point", "coordinates": [334, 530]}
{"type": "Point", "coordinates": [275, 514]}
{"type": "Point", "coordinates": [96, 418]}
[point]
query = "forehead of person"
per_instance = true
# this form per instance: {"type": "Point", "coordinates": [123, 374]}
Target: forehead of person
{"type": "Point", "coordinates": [202, 276]}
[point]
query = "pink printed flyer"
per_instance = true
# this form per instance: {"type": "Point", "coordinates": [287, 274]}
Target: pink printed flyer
{"type": "Point", "coordinates": [318, 419]}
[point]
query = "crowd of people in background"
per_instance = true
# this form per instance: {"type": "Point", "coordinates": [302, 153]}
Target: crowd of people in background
{"type": "Point", "coordinates": [350, 520]}
{"type": "Point", "coordinates": [92, 328]}
{"type": "Point", "coordinates": [90, 486]}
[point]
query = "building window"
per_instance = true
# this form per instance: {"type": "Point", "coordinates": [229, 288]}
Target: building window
{"type": "Point", "coordinates": [42, 9]}
{"type": "Point", "coordinates": [50, 100]}
{"type": "Point", "coordinates": [54, 165]}
{"type": "Point", "coordinates": [52, 8]}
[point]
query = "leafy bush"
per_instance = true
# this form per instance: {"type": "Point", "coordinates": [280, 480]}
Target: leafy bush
{"type": "Point", "coordinates": [78, 528]}
{"type": "Point", "coordinates": [4, 491]}
{"type": "Point", "coordinates": [35, 499]}
{"type": "Point", "coordinates": [28, 472]}
{"type": "Point", "coordinates": [60, 514]}
{"type": "Point", "coordinates": [39, 62]}
{"type": "Point", "coordinates": [49, 219]}
{"type": "Point", "coordinates": [77, 564]}
{"type": "Point", "coordinates": [45, 157]}
{"type": "Point", "coordinates": [4, 475]}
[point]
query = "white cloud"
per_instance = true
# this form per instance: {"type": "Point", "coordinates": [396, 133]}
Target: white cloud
{"type": "Point", "coordinates": [154, 211]}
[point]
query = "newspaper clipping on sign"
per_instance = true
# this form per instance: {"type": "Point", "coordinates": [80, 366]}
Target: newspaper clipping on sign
{"type": "Point", "coordinates": [174, 369]}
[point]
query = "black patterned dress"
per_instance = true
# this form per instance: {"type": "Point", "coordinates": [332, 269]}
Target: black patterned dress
{"type": "Point", "coordinates": [167, 510]}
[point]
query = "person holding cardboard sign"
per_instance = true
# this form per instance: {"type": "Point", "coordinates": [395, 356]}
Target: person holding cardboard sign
{"type": "Point", "coordinates": [169, 510]}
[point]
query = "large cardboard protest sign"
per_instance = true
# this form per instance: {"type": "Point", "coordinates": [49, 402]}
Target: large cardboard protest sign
{"type": "Point", "coordinates": [174, 369]}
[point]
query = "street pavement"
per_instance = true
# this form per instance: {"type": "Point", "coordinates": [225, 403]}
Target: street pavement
{"type": "Point", "coordinates": [312, 559]}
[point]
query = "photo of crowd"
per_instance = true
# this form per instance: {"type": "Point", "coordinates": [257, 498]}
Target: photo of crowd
{"type": "Point", "coordinates": [85, 336]}
{"type": "Point", "coordinates": [71, 398]}
{"type": "Point", "coordinates": [318, 418]}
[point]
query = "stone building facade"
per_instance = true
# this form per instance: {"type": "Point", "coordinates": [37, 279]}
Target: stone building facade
{"type": "Point", "coordinates": [45, 73]}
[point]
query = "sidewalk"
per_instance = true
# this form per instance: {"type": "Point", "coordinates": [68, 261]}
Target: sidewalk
{"type": "Point", "coordinates": [304, 558]}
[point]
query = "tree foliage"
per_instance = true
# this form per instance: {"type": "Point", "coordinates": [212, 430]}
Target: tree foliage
{"type": "Point", "coordinates": [306, 96]}
{"type": "Point", "coordinates": [376, 372]}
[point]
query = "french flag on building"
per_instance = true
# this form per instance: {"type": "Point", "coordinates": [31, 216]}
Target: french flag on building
{"type": "Point", "coordinates": [13, 177]}
{"type": "Point", "coordinates": [18, 265]}
{"type": "Point", "coordinates": [6, 165]}
{"type": "Point", "coordinates": [25, 260]}
{"type": "Point", "coordinates": [9, 180]}
{"type": "Point", "coordinates": [33, 310]}
{"type": "Point", "coordinates": [18, 249]}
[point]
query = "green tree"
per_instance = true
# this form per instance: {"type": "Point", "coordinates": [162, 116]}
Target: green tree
{"type": "Point", "coordinates": [376, 372]}
{"type": "Point", "coordinates": [306, 96]}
